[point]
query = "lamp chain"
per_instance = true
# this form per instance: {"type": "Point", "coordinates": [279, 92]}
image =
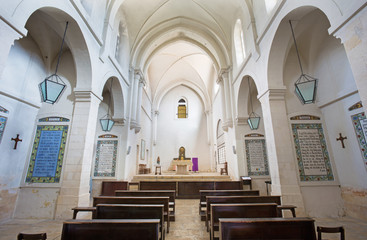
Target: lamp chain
{"type": "Point", "coordinates": [295, 44]}
{"type": "Point", "coordinates": [62, 44]}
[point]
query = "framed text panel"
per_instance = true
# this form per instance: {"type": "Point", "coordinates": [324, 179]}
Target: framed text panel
{"type": "Point", "coordinates": [311, 150]}
{"type": "Point", "coordinates": [105, 163]}
{"type": "Point", "coordinates": [257, 160]}
{"type": "Point", "coordinates": [47, 154]}
{"type": "Point", "coordinates": [360, 126]}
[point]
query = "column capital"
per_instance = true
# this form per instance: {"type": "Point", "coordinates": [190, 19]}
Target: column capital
{"type": "Point", "coordinates": [223, 73]}
{"type": "Point", "coordinates": [273, 94]}
{"type": "Point", "coordinates": [81, 95]}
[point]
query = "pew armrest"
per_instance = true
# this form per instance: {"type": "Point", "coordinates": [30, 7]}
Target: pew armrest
{"type": "Point", "coordinates": [286, 207]}
{"type": "Point", "coordinates": [83, 209]}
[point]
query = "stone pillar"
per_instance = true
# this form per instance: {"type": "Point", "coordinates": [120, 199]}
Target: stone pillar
{"type": "Point", "coordinates": [78, 160]}
{"type": "Point", "coordinates": [354, 37]}
{"type": "Point", "coordinates": [141, 84]}
{"type": "Point", "coordinates": [155, 125]}
{"type": "Point", "coordinates": [138, 84]}
{"type": "Point", "coordinates": [223, 80]}
{"type": "Point", "coordinates": [282, 165]}
{"type": "Point", "coordinates": [8, 36]}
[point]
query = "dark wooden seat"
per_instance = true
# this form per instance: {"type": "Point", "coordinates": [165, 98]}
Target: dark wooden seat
{"type": "Point", "coordinates": [136, 200]}
{"type": "Point", "coordinates": [237, 199]}
{"type": "Point", "coordinates": [83, 209]}
{"type": "Point", "coordinates": [161, 185]}
{"type": "Point", "coordinates": [191, 189]}
{"type": "Point", "coordinates": [246, 210]}
{"type": "Point", "coordinates": [111, 229]}
{"type": "Point", "coordinates": [109, 187]}
{"type": "Point", "coordinates": [228, 185]}
{"type": "Point", "coordinates": [153, 193]}
{"type": "Point", "coordinates": [330, 230]}
{"type": "Point", "coordinates": [32, 236]}
{"type": "Point", "coordinates": [267, 228]}
{"type": "Point", "coordinates": [205, 193]}
{"type": "Point", "coordinates": [132, 211]}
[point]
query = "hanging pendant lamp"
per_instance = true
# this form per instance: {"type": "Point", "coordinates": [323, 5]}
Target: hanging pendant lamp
{"type": "Point", "coordinates": [305, 86]}
{"type": "Point", "coordinates": [254, 119]}
{"type": "Point", "coordinates": [107, 122]}
{"type": "Point", "coordinates": [52, 87]}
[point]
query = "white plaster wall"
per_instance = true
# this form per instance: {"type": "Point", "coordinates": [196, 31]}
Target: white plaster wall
{"type": "Point", "coordinates": [191, 133]}
{"type": "Point", "coordinates": [146, 130]}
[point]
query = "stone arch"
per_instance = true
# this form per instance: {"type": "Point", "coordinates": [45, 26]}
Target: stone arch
{"type": "Point", "coordinates": [59, 14]}
{"type": "Point", "coordinates": [164, 90]}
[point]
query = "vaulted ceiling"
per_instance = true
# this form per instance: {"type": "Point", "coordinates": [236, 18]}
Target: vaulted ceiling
{"type": "Point", "coordinates": [178, 41]}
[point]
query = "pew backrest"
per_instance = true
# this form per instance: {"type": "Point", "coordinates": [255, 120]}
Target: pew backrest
{"type": "Point", "coordinates": [205, 193]}
{"type": "Point", "coordinates": [267, 228]}
{"type": "Point", "coordinates": [109, 187]}
{"type": "Point", "coordinates": [147, 193]}
{"type": "Point", "coordinates": [228, 185]}
{"type": "Point", "coordinates": [161, 185]}
{"type": "Point", "coordinates": [241, 210]}
{"type": "Point", "coordinates": [96, 229]}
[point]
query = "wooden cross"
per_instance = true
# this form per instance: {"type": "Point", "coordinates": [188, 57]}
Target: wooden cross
{"type": "Point", "coordinates": [16, 140]}
{"type": "Point", "coordinates": [341, 139]}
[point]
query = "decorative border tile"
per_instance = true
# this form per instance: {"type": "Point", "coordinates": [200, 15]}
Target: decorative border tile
{"type": "Point", "coordinates": [113, 171]}
{"type": "Point", "coordinates": [329, 176]}
{"type": "Point", "coordinates": [56, 178]}
{"type": "Point", "coordinates": [305, 117]}
{"type": "Point", "coordinates": [107, 136]}
{"type": "Point", "coordinates": [53, 119]}
{"type": "Point", "coordinates": [356, 106]}
{"type": "Point", "coordinates": [266, 164]}
{"type": "Point", "coordinates": [356, 119]}
{"type": "Point", "coordinates": [2, 126]}
{"type": "Point", "coordinates": [3, 110]}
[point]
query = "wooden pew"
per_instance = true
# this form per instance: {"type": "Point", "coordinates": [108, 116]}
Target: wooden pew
{"type": "Point", "coordinates": [153, 193]}
{"type": "Point", "coordinates": [191, 189]}
{"type": "Point", "coordinates": [109, 187]}
{"type": "Point", "coordinates": [132, 211]}
{"type": "Point", "coordinates": [205, 193]}
{"type": "Point", "coordinates": [237, 199]}
{"type": "Point", "coordinates": [96, 229]}
{"type": "Point", "coordinates": [240, 210]}
{"type": "Point", "coordinates": [136, 200]}
{"type": "Point", "coordinates": [161, 185]}
{"type": "Point", "coordinates": [267, 228]}
{"type": "Point", "coordinates": [228, 185]}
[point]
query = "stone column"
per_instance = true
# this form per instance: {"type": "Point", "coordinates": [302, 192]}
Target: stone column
{"type": "Point", "coordinates": [8, 36]}
{"type": "Point", "coordinates": [141, 84]}
{"type": "Point", "coordinates": [354, 37]}
{"type": "Point", "coordinates": [224, 81]}
{"type": "Point", "coordinates": [155, 125]}
{"type": "Point", "coordinates": [134, 93]}
{"type": "Point", "coordinates": [136, 100]}
{"type": "Point", "coordinates": [283, 171]}
{"type": "Point", "coordinates": [78, 160]}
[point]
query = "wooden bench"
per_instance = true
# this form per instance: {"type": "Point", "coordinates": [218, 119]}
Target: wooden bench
{"type": "Point", "coordinates": [191, 189]}
{"type": "Point", "coordinates": [153, 193]}
{"type": "Point", "coordinates": [132, 211]}
{"type": "Point", "coordinates": [96, 229]}
{"type": "Point", "coordinates": [237, 199]}
{"type": "Point", "coordinates": [109, 187]}
{"type": "Point", "coordinates": [228, 185]}
{"type": "Point", "coordinates": [267, 228]}
{"type": "Point", "coordinates": [205, 193]}
{"type": "Point", "coordinates": [164, 185]}
{"type": "Point", "coordinates": [136, 200]}
{"type": "Point", "coordinates": [240, 210]}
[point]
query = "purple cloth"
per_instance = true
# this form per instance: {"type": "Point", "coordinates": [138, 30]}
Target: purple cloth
{"type": "Point", "coordinates": [195, 165]}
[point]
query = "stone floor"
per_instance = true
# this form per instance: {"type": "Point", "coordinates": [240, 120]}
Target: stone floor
{"type": "Point", "coordinates": [186, 227]}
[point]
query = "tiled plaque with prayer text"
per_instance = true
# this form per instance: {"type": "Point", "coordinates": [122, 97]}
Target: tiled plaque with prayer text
{"type": "Point", "coordinates": [105, 163]}
{"type": "Point", "coordinates": [257, 161]}
{"type": "Point", "coordinates": [312, 155]}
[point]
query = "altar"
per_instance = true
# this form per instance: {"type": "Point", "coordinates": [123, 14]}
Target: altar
{"type": "Point", "coordinates": [182, 162]}
{"type": "Point", "coordinates": [182, 166]}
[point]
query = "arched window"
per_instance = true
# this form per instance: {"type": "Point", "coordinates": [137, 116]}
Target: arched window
{"type": "Point", "coordinates": [239, 42]}
{"type": "Point", "coordinates": [119, 41]}
{"type": "Point", "coordinates": [182, 108]}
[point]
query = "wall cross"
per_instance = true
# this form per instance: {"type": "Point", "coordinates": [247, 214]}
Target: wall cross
{"type": "Point", "coordinates": [16, 140]}
{"type": "Point", "coordinates": [341, 139]}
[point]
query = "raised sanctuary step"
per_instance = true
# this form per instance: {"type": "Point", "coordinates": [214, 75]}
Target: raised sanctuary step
{"type": "Point", "coordinates": [173, 177]}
